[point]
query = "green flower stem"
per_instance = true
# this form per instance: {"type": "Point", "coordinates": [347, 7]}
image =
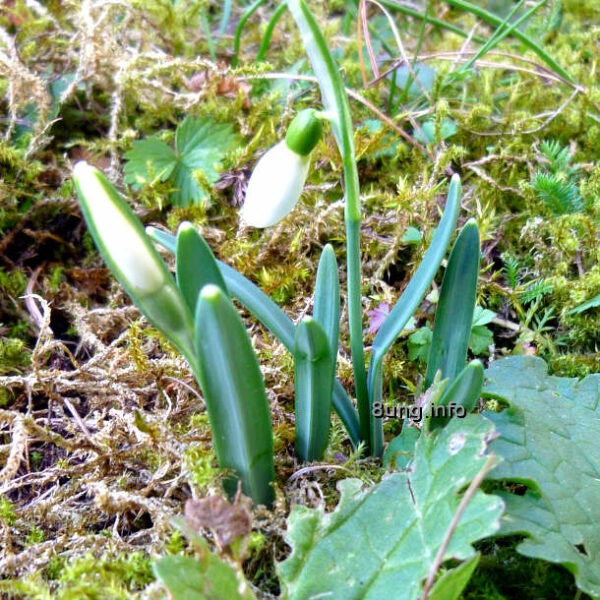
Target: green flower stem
{"type": "Point", "coordinates": [336, 104]}
{"type": "Point", "coordinates": [503, 31]}
{"type": "Point", "coordinates": [411, 12]}
{"type": "Point", "coordinates": [240, 28]}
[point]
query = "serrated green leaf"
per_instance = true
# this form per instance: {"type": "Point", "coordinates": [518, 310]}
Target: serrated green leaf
{"type": "Point", "coordinates": [200, 146]}
{"type": "Point", "coordinates": [149, 160]}
{"type": "Point", "coordinates": [431, 133]}
{"type": "Point", "coordinates": [419, 344]}
{"type": "Point", "coordinates": [480, 340]}
{"type": "Point", "coordinates": [193, 167]}
{"type": "Point", "coordinates": [400, 451]}
{"type": "Point", "coordinates": [549, 440]}
{"type": "Point", "coordinates": [482, 316]}
{"type": "Point", "coordinates": [207, 577]}
{"type": "Point", "coordinates": [381, 542]}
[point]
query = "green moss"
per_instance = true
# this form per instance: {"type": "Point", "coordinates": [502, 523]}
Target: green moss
{"type": "Point", "coordinates": [503, 574]}
{"type": "Point", "coordinates": [7, 511]}
{"type": "Point", "coordinates": [200, 461]}
{"type": "Point", "coordinates": [13, 282]}
{"type": "Point", "coordinates": [108, 577]}
{"type": "Point", "coordinates": [281, 283]}
{"type": "Point", "coordinates": [15, 357]}
{"type": "Point", "coordinates": [35, 536]}
{"type": "Point", "coordinates": [176, 543]}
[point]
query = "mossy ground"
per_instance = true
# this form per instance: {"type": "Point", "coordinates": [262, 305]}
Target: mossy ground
{"type": "Point", "coordinates": [103, 434]}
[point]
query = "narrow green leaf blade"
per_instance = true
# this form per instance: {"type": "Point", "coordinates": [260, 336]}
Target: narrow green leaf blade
{"type": "Point", "coordinates": [275, 320]}
{"type": "Point", "coordinates": [421, 280]}
{"type": "Point", "coordinates": [465, 392]}
{"type": "Point", "coordinates": [337, 107]}
{"type": "Point", "coordinates": [148, 160]}
{"type": "Point", "coordinates": [313, 389]}
{"type": "Point", "coordinates": [196, 265]}
{"type": "Point", "coordinates": [411, 298]}
{"type": "Point", "coordinates": [452, 583]}
{"type": "Point", "coordinates": [327, 298]}
{"type": "Point", "coordinates": [454, 313]}
{"type": "Point", "coordinates": [235, 396]}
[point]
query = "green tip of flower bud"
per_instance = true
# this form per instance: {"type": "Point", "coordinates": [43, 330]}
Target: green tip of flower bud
{"type": "Point", "coordinates": [304, 132]}
{"type": "Point", "coordinates": [210, 292]}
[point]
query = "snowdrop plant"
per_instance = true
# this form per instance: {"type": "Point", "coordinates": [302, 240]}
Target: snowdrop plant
{"type": "Point", "coordinates": [195, 311]}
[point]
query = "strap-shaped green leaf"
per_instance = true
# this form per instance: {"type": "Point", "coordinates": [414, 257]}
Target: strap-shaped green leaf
{"type": "Point", "coordinates": [313, 389]}
{"type": "Point", "coordinates": [235, 396]}
{"type": "Point", "coordinates": [196, 265]}
{"type": "Point", "coordinates": [275, 320]}
{"type": "Point", "coordinates": [327, 301]}
{"type": "Point", "coordinates": [327, 297]}
{"type": "Point", "coordinates": [464, 392]}
{"type": "Point", "coordinates": [454, 313]}
{"type": "Point", "coordinates": [410, 300]}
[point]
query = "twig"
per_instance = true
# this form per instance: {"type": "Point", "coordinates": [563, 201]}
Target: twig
{"type": "Point", "coordinates": [311, 469]}
{"type": "Point", "coordinates": [467, 497]}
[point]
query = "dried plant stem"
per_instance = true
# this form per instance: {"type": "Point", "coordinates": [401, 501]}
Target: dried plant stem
{"type": "Point", "coordinates": [464, 502]}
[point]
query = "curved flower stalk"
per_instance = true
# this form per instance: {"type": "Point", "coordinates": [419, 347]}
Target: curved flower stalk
{"type": "Point", "coordinates": [278, 178]}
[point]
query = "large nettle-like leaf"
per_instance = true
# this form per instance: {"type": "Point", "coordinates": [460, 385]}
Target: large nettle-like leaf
{"type": "Point", "coordinates": [192, 166]}
{"type": "Point", "coordinates": [550, 440]}
{"type": "Point", "coordinates": [382, 541]}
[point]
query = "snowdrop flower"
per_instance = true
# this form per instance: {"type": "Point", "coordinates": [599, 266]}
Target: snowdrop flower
{"type": "Point", "coordinates": [278, 178]}
{"type": "Point", "coordinates": [130, 255]}
{"type": "Point", "coordinates": [124, 246]}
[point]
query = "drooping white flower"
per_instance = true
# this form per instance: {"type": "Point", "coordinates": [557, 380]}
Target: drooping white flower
{"type": "Point", "coordinates": [122, 242]}
{"type": "Point", "coordinates": [275, 186]}
{"type": "Point", "coordinates": [278, 178]}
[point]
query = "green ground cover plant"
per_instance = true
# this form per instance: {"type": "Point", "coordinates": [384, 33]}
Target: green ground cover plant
{"type": "Point", "coordinates": [392, 378]}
